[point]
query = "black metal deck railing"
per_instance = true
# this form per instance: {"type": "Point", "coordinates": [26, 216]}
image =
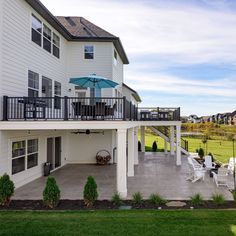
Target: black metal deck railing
{"type": "Point", "coordinates": [86, 108]}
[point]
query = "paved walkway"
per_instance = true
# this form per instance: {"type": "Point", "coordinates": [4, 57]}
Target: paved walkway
{"type": "Point", "coordinates": [156, 173]}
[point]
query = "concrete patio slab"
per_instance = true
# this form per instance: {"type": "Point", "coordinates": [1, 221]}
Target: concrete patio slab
{"type": "Point", "coordinates": [156, 173]}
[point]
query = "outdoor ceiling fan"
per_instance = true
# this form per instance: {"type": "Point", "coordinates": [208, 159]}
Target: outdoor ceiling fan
{"type": "Point", "coordinates": [87, 131]}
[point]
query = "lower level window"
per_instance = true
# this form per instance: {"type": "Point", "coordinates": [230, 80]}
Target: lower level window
{"type": "Point", "coordinates": [24, 155]}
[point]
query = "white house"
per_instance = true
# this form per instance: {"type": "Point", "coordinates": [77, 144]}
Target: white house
{"type": "Point", "coordinates": [44, 118]}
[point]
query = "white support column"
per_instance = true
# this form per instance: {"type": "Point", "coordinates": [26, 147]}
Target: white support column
{"type": "Point", "coordinates": [172, 140]}
{"type": "Point", "coordinates": [178, 145]}
{"type": "Point", "coordinates": [165, 147]}
{"type": "Point", "coordinates": [121, 171]}
{"type": "Point", "coordinates": [130, 152]}
{"type": "Point", "coordinates": [136, 145]}
{"type": "Point", "coordinates": [142, 138]}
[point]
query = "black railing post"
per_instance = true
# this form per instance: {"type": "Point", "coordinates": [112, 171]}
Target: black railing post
{"type": "Point", "coordinates": [65, 108]}
{"type": "Point", "coordinates": [5, 108]}
{"type": "Point", "coordinates": [179, 118]}
{"type": "Point", "coordinates": [124, 108]}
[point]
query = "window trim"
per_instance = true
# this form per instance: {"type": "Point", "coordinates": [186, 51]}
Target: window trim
{"type": "Point", "coordinates": [89, 59]}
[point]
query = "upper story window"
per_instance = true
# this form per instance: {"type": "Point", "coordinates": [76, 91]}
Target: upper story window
{"type": "Point", "coordinates": [47, 38]}
{"type": "Point", "coordinates": [47, 90]}
{"type": "Point", "coordinates": [33, 84]}
{"type": "Point", "coordinates": [43, 36]}
{"type": "Point", "coordinates": [56, 45]}
{"type": "Point", "coordinates": [88, 52]}
{"type": "Point", "coordinates": [115, 57]}
{"type": "Point", "coordinates": [36, 30]}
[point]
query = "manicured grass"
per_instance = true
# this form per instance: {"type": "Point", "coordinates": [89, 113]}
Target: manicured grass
{"type": "Point", "coordinates": [133, 222]}
{"type": "Point", "coordinates": [221, 149]}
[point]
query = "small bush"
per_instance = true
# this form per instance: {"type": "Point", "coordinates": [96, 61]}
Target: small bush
{"type": "Point", "coordinates": [51, 193]}
{"type": "Point", "coordinates": [90, 192]}
{"type": "Point", "coordinates": [156, 199]}
{"type": "Point", "coordinates": [234, 195]}
{"type": "Point", "coordinates": [116, 199]}
{"type": "Point", "coordinates": [6, 190]}
{"type": "Point", "coordinates": [201, 153]}
{"type": "Point", "coordinates": [137, 198]}
{"type": "Point", "coordinates": [196, 199]}
{"type": "Point", "coordinates": [218, 199]}
{"type": "Point", "coordinates": [154, 146]}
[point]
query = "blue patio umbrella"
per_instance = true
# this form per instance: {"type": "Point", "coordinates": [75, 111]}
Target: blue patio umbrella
{"type": "Point", "coordinates": [93, 81]}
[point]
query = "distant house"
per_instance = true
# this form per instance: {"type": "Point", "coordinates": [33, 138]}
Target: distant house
{"type": "Point", "coordinates": [194, 119]}
{"type": "Point", "coordinates": [232, 118]}
{"type": "Point", "coordinates": [204, 119]}
{"type": "Point", "coordinates": [184, 119]}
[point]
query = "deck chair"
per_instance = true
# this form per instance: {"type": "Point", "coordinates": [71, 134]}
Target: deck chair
{"type": "Point", "coordinates": [209, 164]}
{"type": "Point", "coordinates": [221, 178]}
{"type": "Point", "coordinates": [232, 162]}
{"type": "Point", "coordinates": [197, 172]}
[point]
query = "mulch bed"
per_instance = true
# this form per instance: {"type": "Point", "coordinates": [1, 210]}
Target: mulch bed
{"type": "Point", "coordinates": [106, 205]}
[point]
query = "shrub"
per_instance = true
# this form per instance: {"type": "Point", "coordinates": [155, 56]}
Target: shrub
{"type": "Point", "coordinates": [51, 193]}
{"type": "Point", "coordinates": [196, 199]}
{"type": "Point", "coordinates": [90, 192]}
{"type": "Point", "coordinates": [137, 198]}
{"type": "Point", "coordinates": [154, 146]}
{"type": "Point", "coordinates": [201, 153]}
{"type": "Point", "coordinates": [139, 146]}
{"type": "Point", "coordinates": [156, 199]}
{"type": "Point", "coordinates": [6, 190]}
{"type": "Point", "coordinates": [218, 199]}
{"type": "Point", "coordinates": [116, 199]}
{"type": "Point", "coordinates": [234, 194]}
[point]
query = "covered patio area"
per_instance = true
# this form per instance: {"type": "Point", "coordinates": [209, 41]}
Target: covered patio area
{"type": "Point", "coordinates": [156, 173]}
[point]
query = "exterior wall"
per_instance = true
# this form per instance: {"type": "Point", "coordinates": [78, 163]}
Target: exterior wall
{"type": "Point", "coordinates": [83, 148]}
{"type": "Point", "coordinates": [21, 178]}
{"type": "Point", "coordinates": [128, 94]}
{"type": "Point", "coordinates": [101, 64]}
{"type": "Point", "coordinates": [20, 54]}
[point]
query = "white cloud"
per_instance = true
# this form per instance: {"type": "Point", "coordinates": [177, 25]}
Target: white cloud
{"type": "Point", "coordinates": [186, 34]}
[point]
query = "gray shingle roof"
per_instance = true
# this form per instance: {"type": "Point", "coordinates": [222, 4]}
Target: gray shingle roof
{"type": "Point", "coordinates": [80, 27]}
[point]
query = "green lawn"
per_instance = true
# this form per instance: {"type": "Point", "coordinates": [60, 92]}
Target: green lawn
{"type": "Point", "coordinates": [222, 150]}
{"type": "Point", "coordinates": [133, 222]}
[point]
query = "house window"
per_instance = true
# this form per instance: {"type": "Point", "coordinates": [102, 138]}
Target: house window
{"type": "Point", "coordinates": [33, 84]}
{"type": "Point", "coordinates": [88, 52]}
{"type": "Point", "coordinates": [47, 37]}
{"type": "Point", "coordinates": [18, 157]}
{"type": "Point", "coordinates": [115, 57]}
{"type": "Point", "coordinates": [36, 30]}
{"type": "Point", "coordinates": [24, 153]}
{"type": "Point", "coordinates": [32, 153]}
{"type": "Point", "coordinates": [56, 45]}
{"type": "Point", "coordinates": [57, 95]}
{"type": "Point", "coordinates": [47, 90]}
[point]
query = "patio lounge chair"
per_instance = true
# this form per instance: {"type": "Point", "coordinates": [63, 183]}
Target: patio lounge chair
{"type": "Point", "coordinates": [209, 164]}
{"type": "Point", "coordinates": [232, 162]}
{"type": "Point", "coordinates": [197, 172]}
{"type": "Point", "coordinates": [221, 178]}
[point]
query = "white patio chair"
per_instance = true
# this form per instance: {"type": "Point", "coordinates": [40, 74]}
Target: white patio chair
{"type": "Point", "coordinates": [209, 164]}
{"type": "Point", "coordinates": [232, 162]}
{"type": "Point", "coordinates": [197, 172]}
{"type": "Point", "coordinates": [221, 178]}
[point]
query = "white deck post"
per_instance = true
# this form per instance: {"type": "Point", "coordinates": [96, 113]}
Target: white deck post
{"type": "Point", "coordinates": [121, 177]}
{"type": "Point", "coordinates": [136, 145]}
{"type": "Point", "coordinates": [165, 147]}
{"type": "Point", "coordinates": [131, 152]}
{"type": "Point", "coordinates": [142, 138]}
{"type": "Point", "coordinates": [178, 145]}
{"type": "Point", "coordinates": [172, 140]}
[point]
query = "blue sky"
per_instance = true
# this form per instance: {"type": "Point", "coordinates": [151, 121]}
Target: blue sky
{"type": "Point", "coordinates": [181, 52]}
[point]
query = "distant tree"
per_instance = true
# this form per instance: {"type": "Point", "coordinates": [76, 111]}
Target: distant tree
{"type": "Point", "coordinates": [154, 146]}
{"type": "Point", "coordinates": [201, 153]}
